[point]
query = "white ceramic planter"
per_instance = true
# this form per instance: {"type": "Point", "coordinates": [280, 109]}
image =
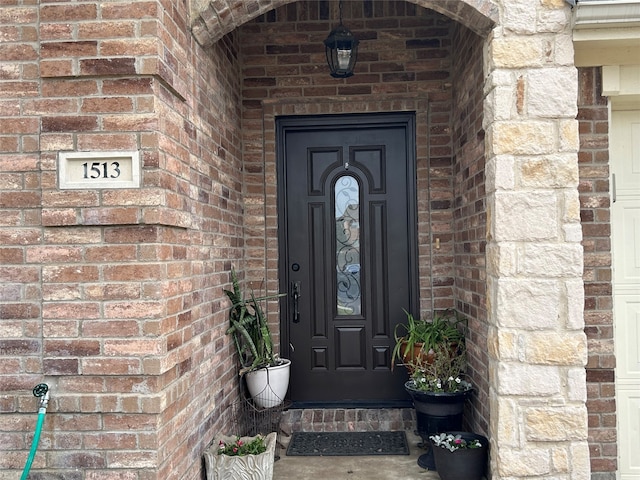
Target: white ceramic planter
{"type": "Point", "coordinates": [268, 386]}
{"type": "Point", "coordinates": [247, 467]}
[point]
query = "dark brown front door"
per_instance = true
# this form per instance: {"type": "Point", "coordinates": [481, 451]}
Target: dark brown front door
{"type": "Point", "coordinates": [348, 253]}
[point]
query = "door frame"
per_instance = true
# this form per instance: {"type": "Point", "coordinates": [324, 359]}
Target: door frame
{"type": "Point", "coordinates": [287, 123]}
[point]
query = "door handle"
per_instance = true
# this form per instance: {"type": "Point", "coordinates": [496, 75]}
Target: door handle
{"type": "Point", "coordinates": [295, 293]}
{"type": "Point", "coordinates": [613, 187]}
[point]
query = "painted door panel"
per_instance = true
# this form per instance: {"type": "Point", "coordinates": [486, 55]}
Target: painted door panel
{"type": "Point", "coordinates": [349, 235]}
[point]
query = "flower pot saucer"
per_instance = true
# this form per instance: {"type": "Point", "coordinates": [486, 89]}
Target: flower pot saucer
{"type": "Point", "coordinates": [427, 461]}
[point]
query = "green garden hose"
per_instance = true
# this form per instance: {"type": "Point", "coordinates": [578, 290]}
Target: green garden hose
{"type": "Point", "coordinates": [41, 390]}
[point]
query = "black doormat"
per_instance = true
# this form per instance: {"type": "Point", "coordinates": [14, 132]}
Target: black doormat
{"type": "Point", "coordinates": [311, 444]}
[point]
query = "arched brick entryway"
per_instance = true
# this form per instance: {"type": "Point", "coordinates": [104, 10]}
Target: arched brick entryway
{"type": "Point", "coordinates": [411, 59]}
{"type": "Point", "coordinates": [535, 394]}
{"type": "Point", "coordinates": [211, 20]}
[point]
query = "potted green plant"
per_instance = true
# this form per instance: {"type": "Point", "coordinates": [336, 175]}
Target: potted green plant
{"type": "Point", "coordinates": [241, 457]}
{"type": "Point", "coordinates": [437, 382]}
{"type": "Point", "coordinates": [266, 374]}
{"type": "Point", "coordinates": [418, 338]}
{"type": "Point", "coordinates": [459, 455]}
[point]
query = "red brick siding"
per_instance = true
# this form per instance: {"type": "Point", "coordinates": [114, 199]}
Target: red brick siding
{"type": "Point", "coordinates": [469, 214]}
{"type": "Point", "coordinates": [115, 296]}
{"type": "Point", "coordinates": [20, 197]}
{"type": "Point", "coordinates": [595, 215]}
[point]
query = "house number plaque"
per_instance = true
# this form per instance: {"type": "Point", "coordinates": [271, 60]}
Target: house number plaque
{"type": "Point", "coordinates": [98, 170]}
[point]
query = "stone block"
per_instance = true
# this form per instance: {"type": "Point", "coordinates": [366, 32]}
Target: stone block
{"type": "Point", "coordinates": [522, 137]}
{"type": "Point", "coordinates": [569, 136]}
{"type": "Point", "coordinates": [505, 422]}
{"type": "Point", "coordinates": [580, 463]}
{"type": "Point", "coordinates": [576, 385]}
{"type": "Point", "coordinates": [554, 4]}
{"type": "Point", "coordinates": [524, 216]}
{"type": "Point", "coordinates": [520, 17]}
{"type": "Point", "coordinates": [571, 200]}
{"type": "Point", "coordinates": [572, 232]}
{"type": "Point", "coordinates": [553, 20]}
{"type": "Point", "coordinates": [560, 459]}
{"type": "Point", "coordinates": [500, 173]}
{"type": "Point", "coordinates": [529, 462]}
{"type": "Point", "coordinates": [529, 380]}
{"type": "Point", "coordinates": [517, 52]}
{"type": "Point", "coordinates": [502, 103]}
{"type": "Point", "coordinates": [555, 348]}
{"type": "Point", "coordinates": [528, 304]}
{"type": "Point", "coordinates": [501, 259]}
{"type": "Point", "coordinates": [498, 78]}
{"type": "Point", "coordinates": [552, 92]}
{"type": "Point", "coordinates": [563, 49]}
{"type": "Point", "coordinates": [503, 345]}
{"type": "Point", "coordinates": [555, 170]}
{"type": "Point", "coordinates": [550, 260]}
{"type": "Point", "coordinates": [575, 303]}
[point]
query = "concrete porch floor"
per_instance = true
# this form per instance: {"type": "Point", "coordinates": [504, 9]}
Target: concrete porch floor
{"type": "Point", "coordinates": [377, 467]}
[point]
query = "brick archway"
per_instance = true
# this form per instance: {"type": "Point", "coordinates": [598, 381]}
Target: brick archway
{"type": "Point", "coordinates": [212, 19]}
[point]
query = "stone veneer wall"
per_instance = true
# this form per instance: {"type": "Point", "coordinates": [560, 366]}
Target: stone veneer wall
{"type": "Point", "coordinates": [593, 115]}
{"type": "Point", "coordinates": [535, 292]}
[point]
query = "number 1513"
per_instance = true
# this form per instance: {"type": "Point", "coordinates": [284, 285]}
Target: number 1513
{"type": "Point", "coordinates": [101, 170]}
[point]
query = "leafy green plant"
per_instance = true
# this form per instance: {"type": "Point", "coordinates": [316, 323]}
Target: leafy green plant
{"type": "Point", "coordinates": [445, 328]}
{"type": "Point", "coordinates": [249, 328]}
{"type": "Point", "coordinates": [442, 372]}
{"type": "Point", "coordinates": [240, 448]}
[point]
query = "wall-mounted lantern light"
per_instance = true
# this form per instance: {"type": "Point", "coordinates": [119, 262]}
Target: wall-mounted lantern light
{"type": "Point", "coordinates": [341, 48]}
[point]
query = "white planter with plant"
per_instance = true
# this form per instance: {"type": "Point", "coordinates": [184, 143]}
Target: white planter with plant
{"type": "Point", "coordinates": [268, 386]}
{"type": "Point", "coordinates": [267, 374]}
{"type": "Point", "coordinates": [244, 458]}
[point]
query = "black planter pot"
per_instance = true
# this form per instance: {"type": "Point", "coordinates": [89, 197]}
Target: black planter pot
{"type": "Point", "coordinates": [463, 464]}
{"type": "Point", "coordinates": [436, 413]}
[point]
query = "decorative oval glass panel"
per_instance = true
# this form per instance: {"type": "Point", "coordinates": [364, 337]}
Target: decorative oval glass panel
{"type": "Point", "coordinates": [347, 210]}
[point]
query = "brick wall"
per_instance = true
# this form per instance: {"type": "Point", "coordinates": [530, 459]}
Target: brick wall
{"type": "Point", "coordinates": [595, 216]}
{"type": "Point", "coordinates": [469, 212]}
{"type": "Point", "coordinates": [114, 297]}
{"type": "Point", "coordinates": [20, 198]}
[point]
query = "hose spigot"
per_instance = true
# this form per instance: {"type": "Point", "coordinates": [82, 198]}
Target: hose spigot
{"type": "Point", "coordinates": [42, 391]}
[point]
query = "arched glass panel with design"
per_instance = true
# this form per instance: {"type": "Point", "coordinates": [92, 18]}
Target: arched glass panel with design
{"type": "Point", "coordinates": [347, 210]}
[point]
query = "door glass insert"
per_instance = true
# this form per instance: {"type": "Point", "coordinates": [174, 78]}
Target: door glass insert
{"type": "Point", "coordinates": [347, 208]}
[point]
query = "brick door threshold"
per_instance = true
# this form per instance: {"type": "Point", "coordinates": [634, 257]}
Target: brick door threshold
{"type": "Point", "coordinates": [347, 419]}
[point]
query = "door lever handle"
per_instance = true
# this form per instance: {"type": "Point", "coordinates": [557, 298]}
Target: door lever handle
{"type": "Point", "coordinates": [295, 293]}
{"type": "Point", "coordinates": [613, 187]}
